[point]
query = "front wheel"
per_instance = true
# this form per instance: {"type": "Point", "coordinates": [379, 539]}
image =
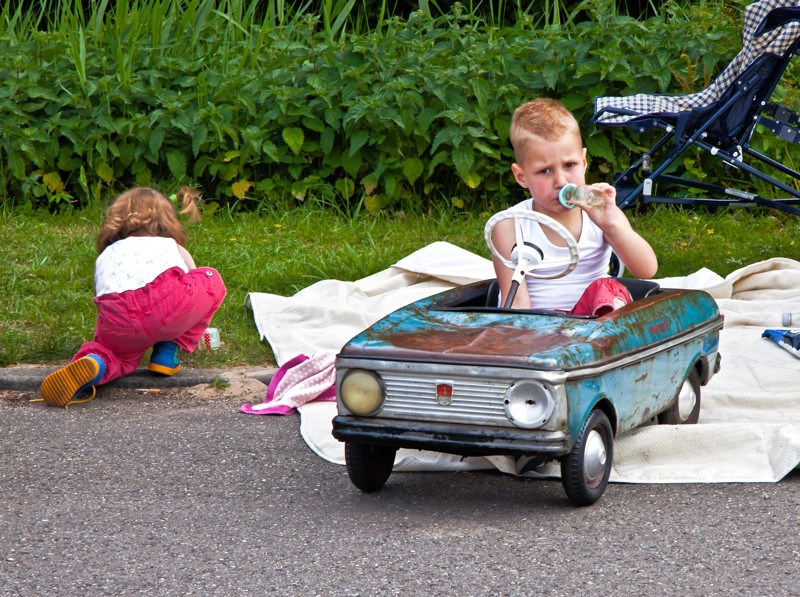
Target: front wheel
{"type": "Point", "coordinates": [585, 470]}
{"type": "Point", "coordinates": [686, 408]}
{"type": "Point", "coordinates": [369, 466]}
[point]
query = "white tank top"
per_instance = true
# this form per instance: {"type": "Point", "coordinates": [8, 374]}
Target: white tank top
{"type": "Point", "coordinates": [134, 262]}
{"type": "Point", "coordinates": [563, 293]}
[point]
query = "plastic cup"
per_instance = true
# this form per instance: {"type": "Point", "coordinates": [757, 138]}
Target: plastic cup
{"type": "Point", "coordinates": [210, 339]}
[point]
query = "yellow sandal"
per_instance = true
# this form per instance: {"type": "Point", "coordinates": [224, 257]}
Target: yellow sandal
{"type": "Point", "coordinates": [60, 387]}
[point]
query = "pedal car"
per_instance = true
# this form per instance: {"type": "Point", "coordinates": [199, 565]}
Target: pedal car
{"type": "Point", "coordinates": [455, 373]}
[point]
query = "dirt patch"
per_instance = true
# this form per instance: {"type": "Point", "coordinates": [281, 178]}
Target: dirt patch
{"type": "Point", "coordinates": [10, 398]}
{"type": "Point", "coordinates": [246, 389]}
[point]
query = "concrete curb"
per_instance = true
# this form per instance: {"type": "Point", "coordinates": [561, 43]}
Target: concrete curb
{"type": "Point", "coordinates": [29, 378]}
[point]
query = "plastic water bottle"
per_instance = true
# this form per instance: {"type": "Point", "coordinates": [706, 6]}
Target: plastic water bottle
{"type": "Point", "coordinates": [572, 195]}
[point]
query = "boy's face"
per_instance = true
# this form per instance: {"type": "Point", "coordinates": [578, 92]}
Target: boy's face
{"type": "Point", "coordinates": [548, 166]}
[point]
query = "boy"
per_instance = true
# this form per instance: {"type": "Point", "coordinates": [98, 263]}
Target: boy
{"type": "Point", "coordinates": [549, 154]}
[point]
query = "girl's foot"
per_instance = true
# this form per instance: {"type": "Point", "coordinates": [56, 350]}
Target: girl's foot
{"type": "Point", "coordinates": [164, 358]}
{"type": "Point", "coordinates": [60, 387]}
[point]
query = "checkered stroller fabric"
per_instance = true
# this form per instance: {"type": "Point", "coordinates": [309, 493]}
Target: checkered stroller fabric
{"type": "Point", "coordinates": [719, 120]}
{"type": "Point", "coordinates": [625, 111]}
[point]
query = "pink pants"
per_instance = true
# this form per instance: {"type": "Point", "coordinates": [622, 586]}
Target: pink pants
{"type": "Point", "coordinates": [176, 307]}
{"type": "Point", "coordinates": [602, 296]}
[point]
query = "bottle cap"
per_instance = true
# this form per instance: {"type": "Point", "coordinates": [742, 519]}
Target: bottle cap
{"type": "Point", "coordinates": [565, 195]}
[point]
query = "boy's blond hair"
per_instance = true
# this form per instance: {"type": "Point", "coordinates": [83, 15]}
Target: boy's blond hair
{"type": "Point", "coordinates": [541, 119]}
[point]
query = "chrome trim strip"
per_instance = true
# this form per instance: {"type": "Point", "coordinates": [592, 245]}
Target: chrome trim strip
{"type": "Point", "coordinates": [445, 369]}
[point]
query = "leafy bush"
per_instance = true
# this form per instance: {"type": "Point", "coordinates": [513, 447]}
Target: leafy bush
{"type": "Point", "coordinates": [417, 110]}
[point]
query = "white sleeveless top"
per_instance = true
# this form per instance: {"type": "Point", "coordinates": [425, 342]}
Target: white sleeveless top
{"type": "Point", "coordinates": [134, 262]}
{"type": "Point", "coordinates": [563, 293]}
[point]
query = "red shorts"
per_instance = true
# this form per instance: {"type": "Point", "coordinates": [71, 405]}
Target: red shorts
{"type": "Point", "coordinates": [602, 296]}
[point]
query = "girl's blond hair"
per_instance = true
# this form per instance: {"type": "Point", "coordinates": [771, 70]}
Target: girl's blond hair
{"type": "Point", "coordinates": [143, 211]}
{"type": "Point", "coordinates": [541, 119]}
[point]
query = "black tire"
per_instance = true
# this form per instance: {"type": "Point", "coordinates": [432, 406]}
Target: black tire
{"type": "Point", "coordinates": [685, 410]}
{"type": "Point", "coordinates": [369, 466]}
{"type": "Point", "coordinates": [585, 470]}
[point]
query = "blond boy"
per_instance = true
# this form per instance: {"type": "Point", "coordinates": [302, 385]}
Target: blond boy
{"type": "Point", "coordinates": [549, 154]}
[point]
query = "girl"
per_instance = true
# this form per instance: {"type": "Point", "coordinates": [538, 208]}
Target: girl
{"type": "Point", "coordinates": [148, 292]}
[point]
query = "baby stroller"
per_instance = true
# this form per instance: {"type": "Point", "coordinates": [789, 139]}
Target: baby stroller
{"type": "Point", "coordinates": [720, 120]}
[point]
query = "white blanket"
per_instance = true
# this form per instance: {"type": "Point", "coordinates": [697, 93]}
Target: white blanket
{"type": "Point", "coordinates": [749, 429]}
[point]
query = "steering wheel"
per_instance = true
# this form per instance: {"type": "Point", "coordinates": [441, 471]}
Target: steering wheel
{"type": "Point", "coordinates": [527, 257]}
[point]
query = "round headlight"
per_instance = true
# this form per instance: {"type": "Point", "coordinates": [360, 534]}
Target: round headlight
{"type": "Point", "coordinates": [361, 392]}
{"type": "Point", "coordinates": [528, 404]}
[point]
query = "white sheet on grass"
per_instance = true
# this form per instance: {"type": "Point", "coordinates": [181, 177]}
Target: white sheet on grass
{"type": "Point", "coordinates": [749, 428]}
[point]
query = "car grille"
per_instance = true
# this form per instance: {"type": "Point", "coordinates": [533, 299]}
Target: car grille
{"type": "Point", "coordinates": [474, 400]}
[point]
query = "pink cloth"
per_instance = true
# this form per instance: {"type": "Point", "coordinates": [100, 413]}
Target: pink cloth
{"type": "Point", "coordinates": [298, 381]}
{"type": "Point", "coordinates": [176, 306]}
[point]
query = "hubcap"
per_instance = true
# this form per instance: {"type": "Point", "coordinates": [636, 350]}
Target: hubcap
{"type": "Point", "coordinates": [594, 458]}
{"type": "Point", "coordinates": [686, 400]}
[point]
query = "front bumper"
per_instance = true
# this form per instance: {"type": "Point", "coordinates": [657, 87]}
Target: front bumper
{"type": "Point", "coordinates": [463, 440]}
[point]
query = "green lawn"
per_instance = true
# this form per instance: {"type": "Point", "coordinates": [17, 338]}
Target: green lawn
{"type": "Point", "coordinates": [47, 309]}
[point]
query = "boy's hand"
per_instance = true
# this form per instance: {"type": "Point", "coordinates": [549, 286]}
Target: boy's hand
{"type": "Point", "coordinates": [606, 214]}
{"type": "Point", "coordinates": [635, 252]}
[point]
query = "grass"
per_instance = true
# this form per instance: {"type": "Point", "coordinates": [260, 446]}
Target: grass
{"type": "Point", "coordinates": [47, 309]}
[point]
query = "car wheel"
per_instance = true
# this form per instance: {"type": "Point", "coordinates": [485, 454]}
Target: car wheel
{"type": "Point", "coordinates": [368, 466]}
{"type": "Point", "coordinates": [686, 408]}
{"type": "Point", "coordinates": [585, 470]}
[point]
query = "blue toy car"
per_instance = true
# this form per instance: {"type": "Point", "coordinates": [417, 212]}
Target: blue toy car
{"type": "Point", "coordinates": [455, 373]}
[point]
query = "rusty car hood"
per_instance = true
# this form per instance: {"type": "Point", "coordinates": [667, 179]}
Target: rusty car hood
{"type": "Point", "coordinates": [439, 329]}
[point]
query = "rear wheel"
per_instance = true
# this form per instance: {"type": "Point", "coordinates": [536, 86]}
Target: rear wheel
{"type": "Point", "coordinates": [369, 466]}
{"type": "Point", "coordinates": [585, 470]}
{"type": "Point", "coordinates": [686, 408]}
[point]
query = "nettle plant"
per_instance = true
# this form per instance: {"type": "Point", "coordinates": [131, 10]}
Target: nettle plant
{"type": "Point", "coordinates": [263, 110]}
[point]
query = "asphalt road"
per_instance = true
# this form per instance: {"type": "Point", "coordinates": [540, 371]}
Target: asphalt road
{"type": "Point", "coordinates": [140, 494]}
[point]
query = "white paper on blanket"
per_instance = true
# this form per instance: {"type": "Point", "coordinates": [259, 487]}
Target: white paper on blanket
{"type": "Point", "coordinates": [749, 429]}
{"type": "Point", "coordinates": [325, 316]}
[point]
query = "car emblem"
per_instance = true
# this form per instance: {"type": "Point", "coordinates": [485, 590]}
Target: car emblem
{"type": "Point", "coordinates": [444, 394]}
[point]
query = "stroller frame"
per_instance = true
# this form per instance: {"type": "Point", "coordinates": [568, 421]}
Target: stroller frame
{"type": "Point", "coordinates": [723, 128]}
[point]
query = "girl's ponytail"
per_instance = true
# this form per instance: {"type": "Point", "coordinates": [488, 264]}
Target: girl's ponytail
{"type": "Point", "coordinates": [186, 201]}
